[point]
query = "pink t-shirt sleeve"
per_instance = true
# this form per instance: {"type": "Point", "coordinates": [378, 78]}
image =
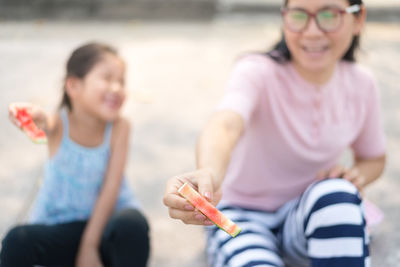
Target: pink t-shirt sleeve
{"type": "Point", "coordinates": [243, 89]}
{"type": "Point", "coordinates": [370, 142]}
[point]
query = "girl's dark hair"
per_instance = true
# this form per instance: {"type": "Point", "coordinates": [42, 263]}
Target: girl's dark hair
{"type": "Point", "coordinates": [280, 52]}
{"type": "Point", "coordinates": [81, 62]}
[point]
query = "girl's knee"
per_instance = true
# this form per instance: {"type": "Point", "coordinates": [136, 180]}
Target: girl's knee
{"type": "Point", "coordinates": [132, 218]}
{"type": "Point", "coordinates": [16, 248]}
{"type": "Point", "coordinates": [15, 238]}
{"type": "Point", "coordinates": [130, 224]}
{"type": "Point", "coordinates": [127, 238]}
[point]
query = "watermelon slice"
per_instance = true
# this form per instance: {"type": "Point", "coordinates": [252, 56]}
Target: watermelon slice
{"type": "Point", "coordinates": [211, 212]}
{"type": "Point", "coordinates": [27, 124]}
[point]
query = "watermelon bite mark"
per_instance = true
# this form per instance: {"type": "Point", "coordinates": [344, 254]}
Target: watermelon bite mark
{"type": "Point", "coordinates": [29, 127]}
{"type": "Point", "coordinates": [211, 212]}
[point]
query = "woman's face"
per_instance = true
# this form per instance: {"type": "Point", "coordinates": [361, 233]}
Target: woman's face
{"type": "Point", "coordinates": [314, 50]}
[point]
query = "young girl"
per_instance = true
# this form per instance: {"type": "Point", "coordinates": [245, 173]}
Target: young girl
{"type": "Point", "coordinates": [85, 215]}
{"type": "Point", "coordinates": [273, 146]}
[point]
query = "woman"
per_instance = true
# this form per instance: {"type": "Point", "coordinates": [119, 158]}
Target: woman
{"type": "Point", "coordinates": [269, 156]}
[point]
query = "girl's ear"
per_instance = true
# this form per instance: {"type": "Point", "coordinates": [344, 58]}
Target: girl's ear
{"type": "Point", "coordinates": [360, 20]}
{"type": "Point", "coordinates": [72, 86]}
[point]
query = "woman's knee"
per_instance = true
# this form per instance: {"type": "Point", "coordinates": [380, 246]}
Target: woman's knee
{"type": "Point", "coordinates": [330, 192]}
{"type": "Point", "coordinates": [332, 202]}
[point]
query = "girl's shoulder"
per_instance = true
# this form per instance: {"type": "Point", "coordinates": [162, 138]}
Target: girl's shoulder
{"type": "Point", "coordinates": [121, 128]}
{"type": "Point", "coordinates": [55, 132]}
{"type": "Point", "coordinates": [121, 123]}
{"type": "Point", "coordinates": [54, 124]}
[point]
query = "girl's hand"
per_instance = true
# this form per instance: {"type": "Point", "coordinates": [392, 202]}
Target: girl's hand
{"type": "Point", "coordinates": [351, 174]}
{"type": "Point", "coordinates": [38, 115]}
{"type": "Point", "coordinates": [88, 257]}
{"type": "Point", "coordinates": [179, 207]}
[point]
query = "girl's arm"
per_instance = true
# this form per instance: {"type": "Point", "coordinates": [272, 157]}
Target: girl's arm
{"type": "Point", "coordinates": [214, 149]}
{"type": "Point", "coordinates": [108, 195]}
{"type": "Point", "coordinates": [39, 116]}
{"type": "Point", "coordinates": [50, 124]}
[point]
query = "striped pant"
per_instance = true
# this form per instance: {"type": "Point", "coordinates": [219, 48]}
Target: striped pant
{"type": "Point", "coordinates": [324, 227]}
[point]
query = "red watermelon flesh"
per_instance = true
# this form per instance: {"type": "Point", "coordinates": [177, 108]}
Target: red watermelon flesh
{"type": "Point", "coordinates": [211, 212]}
{"type": "Point", "coordinates": [29, 127]}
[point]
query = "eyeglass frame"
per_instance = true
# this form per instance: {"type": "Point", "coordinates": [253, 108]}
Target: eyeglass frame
{"type": "Point", "coordinates": [312, 15]}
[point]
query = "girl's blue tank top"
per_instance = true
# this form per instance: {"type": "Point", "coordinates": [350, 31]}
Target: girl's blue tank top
{"type": "Point", "coordinates": [72, 181]}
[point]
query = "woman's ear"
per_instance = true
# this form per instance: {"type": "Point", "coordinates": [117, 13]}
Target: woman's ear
{"type": "Point", "coordinates": [72, 86]}
{"type": "Point", "coordinates": [360, 20]}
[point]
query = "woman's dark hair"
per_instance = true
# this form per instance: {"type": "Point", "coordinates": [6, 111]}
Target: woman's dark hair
{"type": "Point", "coordinates": [280, 52]}
{"type": "Point", "coordinates": [81, 62]}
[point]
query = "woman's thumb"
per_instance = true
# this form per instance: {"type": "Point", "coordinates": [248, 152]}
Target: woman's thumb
{"type": "Point", "coordinates": [206, 188]}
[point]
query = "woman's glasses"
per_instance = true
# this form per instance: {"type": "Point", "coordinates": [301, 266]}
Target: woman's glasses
{"type": "Point", "coordinates": [328, 19]}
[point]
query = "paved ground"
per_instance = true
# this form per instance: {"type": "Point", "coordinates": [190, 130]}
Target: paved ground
{"type": "Point", "coordinates": [176, 76]}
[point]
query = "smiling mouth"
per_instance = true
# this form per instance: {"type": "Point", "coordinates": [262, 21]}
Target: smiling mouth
{"type": "Point", "coordinates": [315, 49]}
{"type": "Point", "coordinates": [113, 103]}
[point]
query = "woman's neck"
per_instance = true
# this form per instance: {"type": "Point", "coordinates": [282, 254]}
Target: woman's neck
{"type": "Point", "coordinates": [317, 78]}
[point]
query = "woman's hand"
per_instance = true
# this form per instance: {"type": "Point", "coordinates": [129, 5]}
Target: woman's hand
{"type": "Point", "coordinates": [38, 115]}
{"type": "Point", "coordinates": [352, 174]}
{"type": "Point", "coordinates": [179, 207]}
{"type": "Point", "coordinates": [214, 149]}
{"type": "Point", "coordinates": [88, 256]}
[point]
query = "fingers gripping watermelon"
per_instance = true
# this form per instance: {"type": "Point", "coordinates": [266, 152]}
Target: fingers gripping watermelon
{"type": "Point", "coordinates": [212, 213]}
{"type": "Point", "coordinates": [29, 127]}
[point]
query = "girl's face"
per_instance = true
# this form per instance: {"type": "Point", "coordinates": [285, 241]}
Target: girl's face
{"type": "Point", "coordinates": [314, 50]}
{"type": "Point", "coordinates": [103, 88]}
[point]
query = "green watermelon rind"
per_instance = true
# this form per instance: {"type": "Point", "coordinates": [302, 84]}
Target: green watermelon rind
{"type": "Point", "coordinates": [233, 234]}
{"type": "Point", "coordinates": [36, 140]}
{"type": "Point", "coordinates": [42, 140]}
{"type": "Point", "coordinates": [237, 228]}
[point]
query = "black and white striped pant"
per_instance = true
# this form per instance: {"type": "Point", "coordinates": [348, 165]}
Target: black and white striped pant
{"type": "Point", "coordinates": [324, 227]}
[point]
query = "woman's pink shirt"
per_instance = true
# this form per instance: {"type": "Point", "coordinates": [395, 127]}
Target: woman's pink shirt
{"type": "Point", "coordinates": [294, 129]}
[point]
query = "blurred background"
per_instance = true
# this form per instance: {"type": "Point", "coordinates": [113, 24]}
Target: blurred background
{"type": "Point", "coordinates": [179, 55]}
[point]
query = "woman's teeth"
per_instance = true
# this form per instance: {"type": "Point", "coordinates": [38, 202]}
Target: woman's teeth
{"type": "Point", "coordinates": [315, 49]}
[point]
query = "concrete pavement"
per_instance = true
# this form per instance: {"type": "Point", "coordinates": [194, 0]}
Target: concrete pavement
{"type": "Point", "coordinates": [176, 75]}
